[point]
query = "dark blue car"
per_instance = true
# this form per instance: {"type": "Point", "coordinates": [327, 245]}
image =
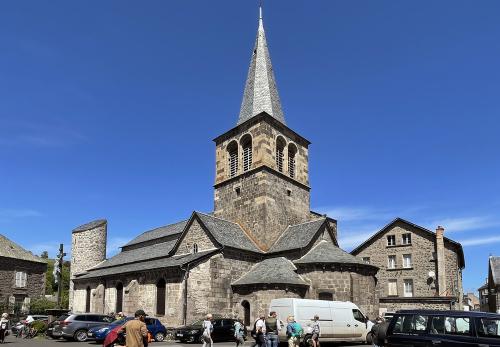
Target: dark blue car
{"type": "Point", "coordinates": [154, 326]}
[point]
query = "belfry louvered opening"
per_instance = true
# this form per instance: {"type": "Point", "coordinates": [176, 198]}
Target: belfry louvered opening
{"type": "Point", "coordinates": [232, 150]}
{"type": "Point", "coordinates": [292, 151]}
{"type": "Point", "coordinates": [246, 144]}
{"type": "Point", "coordinates": [280, 153]}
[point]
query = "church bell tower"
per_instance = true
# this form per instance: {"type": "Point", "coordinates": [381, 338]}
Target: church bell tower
{"type": "Point", "coordinates": [262, 170]}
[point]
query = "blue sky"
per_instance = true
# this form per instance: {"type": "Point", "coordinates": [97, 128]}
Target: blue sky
{"type": "Point", "coordinates": [108, 109]}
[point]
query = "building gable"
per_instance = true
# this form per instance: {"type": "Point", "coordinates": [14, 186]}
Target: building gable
{"type": "Point", "coordinates": [195, 238]}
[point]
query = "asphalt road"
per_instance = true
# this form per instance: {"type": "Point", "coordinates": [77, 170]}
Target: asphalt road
{"type": "Point", "coordinates": [11, 341]}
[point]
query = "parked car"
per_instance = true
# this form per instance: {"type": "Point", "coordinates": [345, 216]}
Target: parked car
{"type": "Point", "coordinates": [76, 326]}
{"type": "Point", "coordinates": [425, 328]}
{"type": "Point", "coordinates": [154, 326]}
{"type": "Point", "coordinates": [50, 327]}
{"type": "Point", "coordinates": [340, 321]}
{"type": "Point", "coordinates": [223, 331]}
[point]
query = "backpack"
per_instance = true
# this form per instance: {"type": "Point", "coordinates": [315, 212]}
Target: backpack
{"type": "Point", "coordinates": [297, 330]}
{"type": "Point", "coordinates": [3, 326]}
{"type": "Point", "coordinates": [253, 333]}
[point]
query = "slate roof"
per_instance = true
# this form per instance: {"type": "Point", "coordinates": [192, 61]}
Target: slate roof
{"type": "Point", "coordinates": [261, 93]}
{"type": "Point", "coordinates": [148, 265]}
{"type": "Point", "coordinates": [272, 271]}
{"type": "Point", "coordinates": [227, 233]}
{"type": "Point", "coordinates": [157, 233]}
{"type": "Point", "coordinates": [157, 250]}
{"type": "Point", "coordinates": [91, 225]}
{"type": "Point", "coordinates": [327, 253]}
{"type": "Point", "coordinates": [427, 231]}
{"type": "Point", "coordinates": [9, 249]}
{"type": "Point", "coordinates": [495, 269]}
{"type": "Point", "coordinates": [297, 236]}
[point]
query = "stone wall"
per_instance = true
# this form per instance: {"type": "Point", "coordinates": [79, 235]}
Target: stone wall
{"type": "Point", "coordinates": [263, 207]}
{"type": "Point", "coordinates": [35, 281]}
{"type": "Point", "coordinates": [88, 248]}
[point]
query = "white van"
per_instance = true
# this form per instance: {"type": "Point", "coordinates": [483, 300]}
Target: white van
{"type": "Point", "coordinates": [340, 321]}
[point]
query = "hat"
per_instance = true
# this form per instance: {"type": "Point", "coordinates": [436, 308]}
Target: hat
{"type": "Point", "coordinates": [140, 313]}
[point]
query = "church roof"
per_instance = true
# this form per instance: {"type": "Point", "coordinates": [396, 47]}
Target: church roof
{"type": "Point", "coordinates": [297, 236]}
{"type": "Point", "coordinates": [327, 253]}
{"type": "Point", "coordinates": [261, 93]}
{"type": "Point", "coordinates": [227, 233]}
{"type": "Point", "coordinates": [9, 249]}
{"type": "Point", "coordinates": [495, 269]}
{"type": "Point", "coordinates": [157, 233]}
{"type": "Point", "coordinates": [148, 265]}
{"type": "Point", "coordinates": [272, 271]}
{"type": "Point", "coordinates": [157, 250]}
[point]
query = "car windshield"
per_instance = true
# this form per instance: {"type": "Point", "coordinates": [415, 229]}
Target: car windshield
{"type": "Point", "coordinates": [121, 320]}
{"type": "Point", "coordinates": [198, 322]}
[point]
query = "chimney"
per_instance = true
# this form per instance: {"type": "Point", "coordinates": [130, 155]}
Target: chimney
{"type": "Point", "coordinates": [441, 263]}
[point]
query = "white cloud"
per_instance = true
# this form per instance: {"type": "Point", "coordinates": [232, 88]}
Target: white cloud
{"type": "Point", "coordinates": [480, 241]}
{"type": "Point", "coordinates": [465, 223]}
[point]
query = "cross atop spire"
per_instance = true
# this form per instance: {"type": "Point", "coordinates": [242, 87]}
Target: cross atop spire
{"type": "Point", "coordinates": [261, 94]}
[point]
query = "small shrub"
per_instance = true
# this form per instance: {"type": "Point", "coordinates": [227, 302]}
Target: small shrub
{"type": "Point", "coordinates": [38, 306]}
{"type": "Point", "coordinates": [40, 326]}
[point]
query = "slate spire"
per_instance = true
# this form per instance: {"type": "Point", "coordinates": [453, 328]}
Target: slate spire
{"type": "Point", "coordinates": [261, 94]}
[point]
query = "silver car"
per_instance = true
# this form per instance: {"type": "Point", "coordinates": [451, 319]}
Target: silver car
{"type": "Point", "coordinates": [77, 325]}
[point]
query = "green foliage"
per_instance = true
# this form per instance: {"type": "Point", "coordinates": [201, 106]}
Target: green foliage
{"type": "Point", "coordinates": [38, 306]}
{"type": "Point", "coordinates": [40, 326]}
{"type": "Point", "coordinates": [51, 286]}
{"type": "Point", "coordinates": [44, 255]}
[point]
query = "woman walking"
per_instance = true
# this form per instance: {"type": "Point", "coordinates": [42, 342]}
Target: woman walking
{"type": "Point", "coordinates": [4, 327]}
{"type": "Point", "coordinates": [207, 331]}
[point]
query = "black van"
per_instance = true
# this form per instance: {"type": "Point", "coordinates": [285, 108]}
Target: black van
{"type": "Point", "coordinates": [426, 328]}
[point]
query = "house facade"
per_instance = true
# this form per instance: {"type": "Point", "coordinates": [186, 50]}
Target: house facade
{"type": "Point", "coordinates": [22, 277]}
{"type": "Point", "coordinates": [494, 284]}
{"type": "Point", "coordinates": [417, 267]}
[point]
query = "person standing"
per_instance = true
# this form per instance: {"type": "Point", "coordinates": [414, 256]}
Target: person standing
{"type": "Point", "coordinates": [260, 328]}
{"type": "Point", "coordinates": [136, 330]}
{"type": "Point", "coordinates": [316, 330]}
{"type": "Point", "coordinates": [293, 332]}
{"type": "Point", "coordinates": [272, 330]}
{"type": "Point", "coordinates": [4, 327]}
{"type": "Point", "coordinates": [208, 328]}
{"type": "Point", "coordinates": [239, 331]}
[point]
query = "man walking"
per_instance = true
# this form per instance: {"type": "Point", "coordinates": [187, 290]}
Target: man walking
{"type": "Point", "coordinates": [136, 330]}
{"type": "Point", "coordinates": [239, 331]}
{"type": "Point", "coordinates": [315, 331]}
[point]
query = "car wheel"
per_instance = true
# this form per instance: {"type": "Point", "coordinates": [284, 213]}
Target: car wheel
{"type": "Point", "coordinates": [159, 337]}
{"type": "Point", "coordinates": [81, 335]}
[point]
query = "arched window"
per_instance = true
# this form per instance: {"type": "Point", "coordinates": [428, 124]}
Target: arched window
{"type": "Point", "coordinates": [325, 296]}
{"type": "Point", "coordinates": [232, 154]}
{"type": "Point", "coordinates": [161, 295]}
{"type": "Point", "coordinates": [292, 151]}
{"type": "Point", "coordinates": [246, 312]}
{"type": "Point", "coordinates": [195, 248]}
{"type": "Point", "coordinates": [87, 300]}
{"type": "Point", "coordinates": [280, 153]}
{"type": "Point", "coordinates": [246, 144]}
{"type": "Point", "coordinates": [119, 297]}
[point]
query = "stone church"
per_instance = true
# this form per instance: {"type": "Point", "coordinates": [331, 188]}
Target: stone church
{"type": "Point", "coordinates": [260, 242]}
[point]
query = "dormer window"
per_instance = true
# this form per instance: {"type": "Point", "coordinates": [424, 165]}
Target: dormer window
{"type": "Point", "coordinates": [406, 239]}
{"type": "Point", "coordinates": [246, 144]}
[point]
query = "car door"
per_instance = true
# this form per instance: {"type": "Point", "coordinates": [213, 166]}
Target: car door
{"type": "Point", "coordinates": [449, 331]}
{"type": "Point", "coordinates": [217, 332]}
{"type": "Point", "coordinates": [359, 323]}
{"type": "Point", "coordinates": [409, 330]}
{"type": "Point", "coordinates": [488, 331]}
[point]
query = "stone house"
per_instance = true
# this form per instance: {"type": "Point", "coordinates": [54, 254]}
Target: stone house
{"type": "Point", "coordinates": [471, 302]}
{"type": "Point", "coordinates": [261, 241]}
{"type": "Point", "coordinates": [484, 305]}
{"type": "Point", "coordinates": [418, 268]}
{"type": "Point", "coordinates": [494, 284]}
{"type": "Point", "coordinates": [22, 276]}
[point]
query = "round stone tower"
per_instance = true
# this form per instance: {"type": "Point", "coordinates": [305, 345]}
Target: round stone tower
{"type": "Point", "coordinates": [88, 248]}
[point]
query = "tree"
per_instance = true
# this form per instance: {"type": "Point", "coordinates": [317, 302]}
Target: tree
{"type": "Point", "coordinates": [51, 286]}
{"type": "Point", "coordinates": [44, 255]}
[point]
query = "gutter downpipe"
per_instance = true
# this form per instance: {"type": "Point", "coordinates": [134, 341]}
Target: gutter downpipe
{"type": "Point", "coordinates": [184, 305]}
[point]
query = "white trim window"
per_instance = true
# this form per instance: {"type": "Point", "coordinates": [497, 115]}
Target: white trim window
{"type": "Point", "coordinates": [406, 239]}
{"type": "Point", "coordinates": [391, 262]}
{"type": "Point", "coordinates": [408, 288]}
{"type": "Point", "coordinates": [366, 260]}
{"type": "Point", "coordinates": [407, 261]}
{"type": "Point", "coordinates": [21, 279]}
{"type": "Point", "coordinates": [392, 287]}
{"type": "Point", "coordinates": [391, 240]}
